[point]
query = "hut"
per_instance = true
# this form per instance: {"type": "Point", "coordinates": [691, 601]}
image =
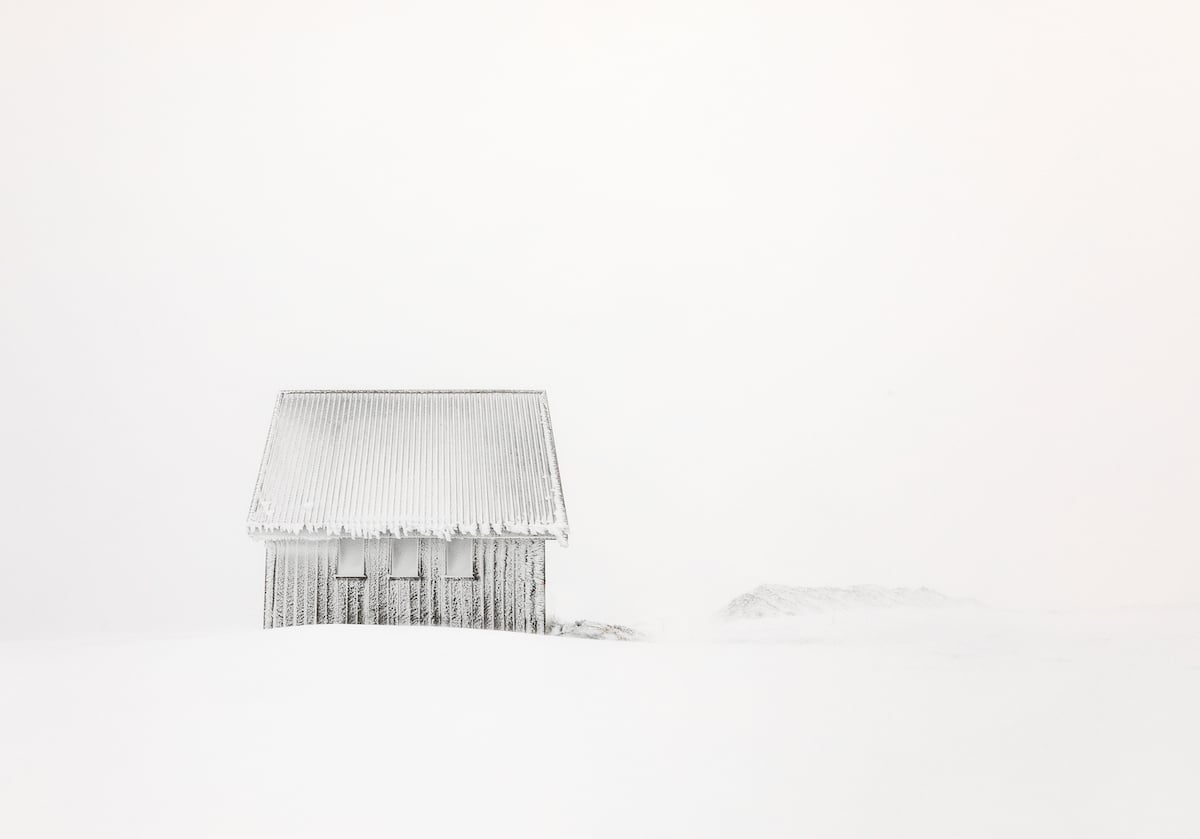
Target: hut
{"type": "Point", "coordinates": [408, 507]}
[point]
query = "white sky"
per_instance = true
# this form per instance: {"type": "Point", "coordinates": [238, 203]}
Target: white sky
{"type": "Point", "coordinates": [822, 293]}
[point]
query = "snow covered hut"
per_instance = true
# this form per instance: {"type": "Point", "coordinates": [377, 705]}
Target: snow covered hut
{"type": "Point", "coordinates": [408, 507]}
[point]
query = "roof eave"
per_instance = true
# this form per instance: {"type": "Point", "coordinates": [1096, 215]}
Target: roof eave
{"type": "Point", "coordinates": [274, 532]}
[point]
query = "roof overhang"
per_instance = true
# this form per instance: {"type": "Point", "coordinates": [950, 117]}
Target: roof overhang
{"type": "Point", "coordinates": [316, 534]}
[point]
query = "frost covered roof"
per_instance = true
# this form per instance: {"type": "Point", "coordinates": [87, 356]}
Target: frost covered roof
{"type": "Point", "coordinates": [409, 463]}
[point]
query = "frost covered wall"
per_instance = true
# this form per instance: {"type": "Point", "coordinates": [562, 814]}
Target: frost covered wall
{"type": "Point", "coordinates": [508, 590]}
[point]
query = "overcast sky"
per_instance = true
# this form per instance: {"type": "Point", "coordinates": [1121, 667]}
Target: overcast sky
{"type": "Point", "coordinates": [822, 293]}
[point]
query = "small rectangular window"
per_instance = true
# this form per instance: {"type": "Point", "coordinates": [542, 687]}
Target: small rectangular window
{"type": "Point", "coordinates": [460, 558]}
{"type": "Point", "coordinates": [405, 562]}
{"type": "Point", "coordinates": [352, 558]}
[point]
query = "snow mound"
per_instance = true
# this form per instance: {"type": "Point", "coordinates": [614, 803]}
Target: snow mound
{"type": "Point", "coordinates": [774, 601]}
{"type": "Point", "coordinates": [595, 631]}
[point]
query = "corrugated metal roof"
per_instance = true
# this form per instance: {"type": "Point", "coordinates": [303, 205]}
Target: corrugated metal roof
{"type": "Point", "coordinates": [409, 463]}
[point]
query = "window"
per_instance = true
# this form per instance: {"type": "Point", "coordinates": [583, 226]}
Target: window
{"type": "Point", "coordinates": [460, 556]}
{"type": "Point", "coordinates": [352, 558]}
{"type": "Point", "coordinates": [405, 560]}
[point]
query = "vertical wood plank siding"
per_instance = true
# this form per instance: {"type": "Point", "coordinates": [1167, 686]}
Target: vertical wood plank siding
{"type": "Point", "coordinates": [508, 590]}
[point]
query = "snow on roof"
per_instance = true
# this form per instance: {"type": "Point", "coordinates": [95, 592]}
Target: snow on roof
{"type": "Point", "coordinates": [372, 463]}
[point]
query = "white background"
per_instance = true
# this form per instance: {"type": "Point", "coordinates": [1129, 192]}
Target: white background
{"type": "Point", "coordinates": [822, 293]}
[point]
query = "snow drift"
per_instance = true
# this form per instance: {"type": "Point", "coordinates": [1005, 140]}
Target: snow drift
{"type": "Point", "coordinates": [596, 631]}
{"type": "Point", "coordinates": [774, 601]}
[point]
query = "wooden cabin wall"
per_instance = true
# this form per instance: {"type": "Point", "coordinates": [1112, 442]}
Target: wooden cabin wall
{"type": "Point", "coordinates": [508, 590]}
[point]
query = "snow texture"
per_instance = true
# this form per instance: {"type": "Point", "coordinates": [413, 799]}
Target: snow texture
{"type": "Point", "coordinates": [773, 601]}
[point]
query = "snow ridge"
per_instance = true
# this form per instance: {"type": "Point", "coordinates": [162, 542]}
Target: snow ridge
{"type": "Point", "coordinates": [773, 601]}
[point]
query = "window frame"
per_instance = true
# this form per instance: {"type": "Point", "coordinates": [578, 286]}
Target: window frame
{"type": "Point", "coordinates": [394, 546]}
{"type": "Point", "coordinates": [470, 546]}
{"type": "Point", "coordinates": [338, 573]}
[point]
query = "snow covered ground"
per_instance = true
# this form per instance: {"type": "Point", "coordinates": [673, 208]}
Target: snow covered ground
{"type": "Point", "coordinates": [933, 722]}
